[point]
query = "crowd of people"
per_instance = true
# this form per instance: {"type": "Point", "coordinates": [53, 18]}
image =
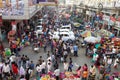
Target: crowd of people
{"type": "Point", "coordinates": [21, 66]}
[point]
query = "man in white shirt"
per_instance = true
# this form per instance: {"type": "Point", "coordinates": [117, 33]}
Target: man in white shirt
{"type": "Point", "coordinates": [12, 58]}
{"type": "Point", "coordinates": [43, 66]}
{"type": "Point", "coordinates": [6, 70]}
{"type": "Point", "coordinates": [57, 73]}
{"type": "Point", "coordinates": [109, 63]}
{"type": "Point", "coordinates": [38, 69]}
{"type": "Point", "coordinates": [113, 52]}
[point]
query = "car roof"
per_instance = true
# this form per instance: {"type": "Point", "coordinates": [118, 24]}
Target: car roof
{"type": "Point", "coordinates": [67, 25]}
{"type": "Point", "coordinates": [39, 26]}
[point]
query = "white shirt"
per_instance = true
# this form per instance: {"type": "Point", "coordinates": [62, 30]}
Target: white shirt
{"type": "Point", "coordinates": [65, 66]}
{"type": "Point", "coordinates": [57, 72]}
{"type": "Point", "coordinates": [113, 50]}
{"type": "Point", "coordinates": [38, 68]}
{"type": "Point", "coordinates": [49, 58]}
{"type": "Point", "coordinates": [43, 65]}
{"type": "Point", "coordinates": [6, 68]}
{"type": "Point", "coordinates": [116, 61]}
{"type": "Point", "coordinates": [49, 67]}
{"type": "Point", "coordinates": [12, 58]}
{"type": "Point", "coordinates": [94, 50]}
{"type": "Point", "coordinates": [109, 61]}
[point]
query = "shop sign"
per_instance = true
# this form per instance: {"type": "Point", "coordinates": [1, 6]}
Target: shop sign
{"type": "Point", "coordinates": [47, 2]}
{"type": "Point", "coordinates": [13, 7]}
{"type": "Point", "coordinates": [117, 3]}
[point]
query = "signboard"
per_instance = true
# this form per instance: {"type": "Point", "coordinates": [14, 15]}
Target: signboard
{"type": "Point", "coordinates": [32, 2]}
{"type": "Point", "coordinates": [46, 2]}
{"type": "Point", "coordinates": [18, 9]}
{"type": "Point", "coordinates": [117, 3]}
{"type": "Point", "coordinates": [13, 7]}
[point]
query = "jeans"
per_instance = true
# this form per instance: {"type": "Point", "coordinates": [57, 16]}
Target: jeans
{"type": "Point", "coordinates": [70, 69]}
{"type": "Point", "coordinates": [75, 53]}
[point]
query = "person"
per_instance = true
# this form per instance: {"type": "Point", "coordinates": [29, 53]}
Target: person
{"type": "Point", "coordinates": [109, 63]}
{"type": "Point", "coordinates": [85, 67]}
{"type": "Point", "coordinates": [1, 67]}
{"type": "Point", "coordinates": [84, 75]}
{"type": "Point", "coordinates": [32, 65]}
{"type": "Point", "coordinates": [6, 70]}
{"type": "Point", "coordinates": [70, 67]}
{"type": "Point", "coordinates": [116, 62]}
{"type": "Point", "coordinates": [75, 48]}
{"type": "Point", "coordinates": [79, 71]}
{"type": "Point", "coordinates": [21, 71]}
{"type": "Point", "coordinates": [65, 65]}
{"type": "Point", "coordinates": [14, 68]}
{"type": "Point", "coordinates": [49, 65]}
{"type": "Point", "coordinates": [57, 73]}
{"type": "Point", "coordinates": [101, 71]}
{"type": "Point", "coordinates": [43, 66]}
{"type": "Point", "coordinates": [28, 73]}
{"type": "Point", "coordinates": [92, 71]}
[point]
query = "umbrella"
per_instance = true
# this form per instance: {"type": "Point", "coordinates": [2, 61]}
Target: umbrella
{"type": "Point", "coordinates": [86, 34]}
{"type": "Point", "coordinates": [97, 45]}
{"type": "Point", "coordinates": [91, 39]}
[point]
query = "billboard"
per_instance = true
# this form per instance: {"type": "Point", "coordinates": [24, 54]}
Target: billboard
{"type": "Point", "coordinates": [32, 2]}
{"type": "Point", "coordinates": [13, 7]}
{"type": "Point", "coordinates": [46, 2]}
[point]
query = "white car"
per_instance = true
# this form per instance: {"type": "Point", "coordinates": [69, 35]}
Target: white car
{"type": "Point", "coordinates": [66, 27]}
{"type": "Point", "coordinates": [39, 21]}
{"type": "Point", "coordinates": [39, 30]}
{"type": "Point", "coordinates": [65, 36]}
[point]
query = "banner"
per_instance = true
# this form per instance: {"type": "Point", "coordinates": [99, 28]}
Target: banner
{"type": "Point", "coordinates": [13, 8]}
{"type": "Point", "coordinates": [32, 2]}
{"type": "Point", "coordinates": [47, 2]}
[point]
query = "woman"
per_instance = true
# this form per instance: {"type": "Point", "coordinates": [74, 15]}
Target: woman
{"type": "Point", "coordinates": [79, 71]}
{"type": "Point", "coordinates": [85, 67]}
{"type": "Point", "coordinates": [65, 66]}
{"type": "Point", "coordinates": [14, 68]}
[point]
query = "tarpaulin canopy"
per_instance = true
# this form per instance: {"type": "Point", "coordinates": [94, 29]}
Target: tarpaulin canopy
{"type": "Point", "coordinates": [86, 34]}
{"type": "Point", "coordinates": [92, 39]}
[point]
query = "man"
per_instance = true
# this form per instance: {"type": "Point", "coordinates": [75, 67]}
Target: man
{"type": "Point", "coordinates": [6, 70]}
{"type": "Point", "coordinates": [75, 48]}
{"type": "Point", "coordinates": [57, 73]}
{"type": "Point", "coordinates": [1, 67]}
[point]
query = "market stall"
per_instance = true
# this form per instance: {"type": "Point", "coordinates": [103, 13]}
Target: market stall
{"type": "Point", "coordinates": [92, 39]}
{"type": "Point", "coordinates": [86, 33]}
